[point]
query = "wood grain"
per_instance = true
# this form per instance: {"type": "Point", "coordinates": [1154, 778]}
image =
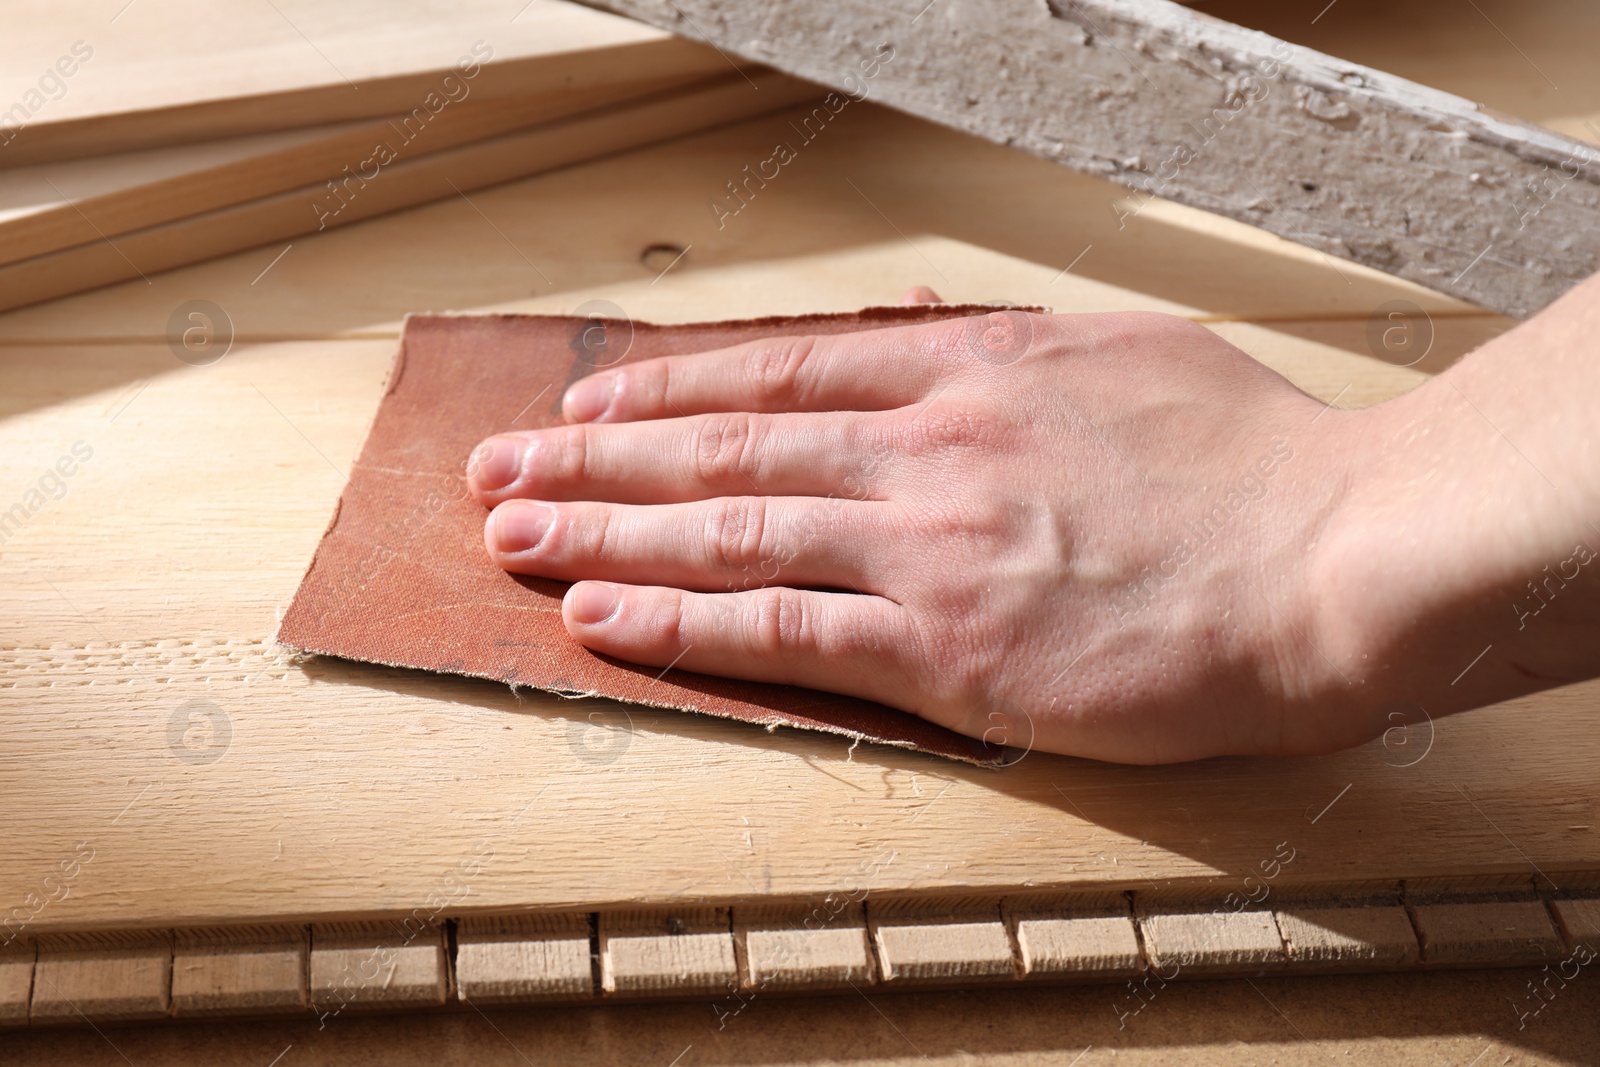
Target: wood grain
{"type": "Point", "coordinates": [93, 978]}
{"type": "Point", "coordinates": [242, 971]}
{"type": "Point", "coordinates": [1365, 937]}
{"type": "Point", "coordinates": [137, 79]}
{"type": "Point", "coordinates": [1074, 936]}
{"type": "Point", "coordinates": [793, 947]}
{"type": "Point", "coordinates": [1468, 932]}
{"type": "Point", "coordinates": [1212, 942]}
{"type": "Point", "coordinates": [523, 958]}
{"type": "Point", "coordinates": [451, 172]}
{"type": "Point", "coordinates": [377, 966]}
{"type": "Point", "coordinates": [49, 207]}
{"type": "Point", "coordinates": [16, 980]}
{"type": "Point", "coordinates": [682, 952]}
{"type": "Point", "coordinates": [940, 942]}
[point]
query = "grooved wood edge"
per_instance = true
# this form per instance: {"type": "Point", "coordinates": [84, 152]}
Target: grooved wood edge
{"type": "Point", "coordinates": [729, 954]}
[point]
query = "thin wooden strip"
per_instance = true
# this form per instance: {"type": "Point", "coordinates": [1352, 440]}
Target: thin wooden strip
{"type": "Point", "coordinates": [1358, 938]}
{"type": "Point", "coordinates": [683, 951]}
{"type": "Point", "coordinates": [1486, 933]}
{"type": "Point", "coordinates": [94, 977]}
{"type": "Point", "coordinates": [377, 965]}
{"type": "Point", "coordinates": [399, 185]}
{"type": "Point", "coordinates": [1580, 921]}
{"type": "Point", "coordinates": [824, 946]}
{"type": "Point", "coordinates": [122, 197]}
{"type": "Point", "coordinates": [1207, 942]}
{"type": "Point", "coordinates": [515, 958]}
{"type": "Point", "coordinates": [16, 980]}
{"type": "Point", "coordinates": [244, 970]}
{"type": "Point", "coordinates": [950, 941]}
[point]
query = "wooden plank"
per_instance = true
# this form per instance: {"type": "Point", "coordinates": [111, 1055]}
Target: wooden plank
{"type": "Point", "coordinates": [1361, 937]}
{"type": "Point", "coordinates": [940, 942]}
{"type": "Point", "coordinates": [1579, 920]}
{"type": "Point", "coordinates": [523, 958]}
{"type": "Point", "coordinates": [97, 978]}
{"type": "Point", "coordinates": [1353, 162]}
{"type": "Point", "coordinates": [588, 227]}
{"type": "Point", "coordinates": [377, 965]}
{"type": "Point", "coordinates": [240, 971]}
{"type": "Point", "coordinates": [794, 947]}
{"type": "Point", "coordinates": [402, 184]}
{"type": "Point", "coordinates": [50, 207]}
{"type": "Point", "coordinates": [677, 952]}
{"type": "Point", "coordinates": [1499, 932]}
{"type": "Point", "coordinates": [78, 85]}
{"type": "Point", "coordinates": [1198, 943]}
{"type": "Point", "coordinates": [16, 980]}
{"type": "Point", "coordinates": [1074, 936]}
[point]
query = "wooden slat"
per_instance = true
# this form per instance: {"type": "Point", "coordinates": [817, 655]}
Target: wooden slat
{"type": "Point", "coordinates": [1074, 936]}
{"type": "Point", "coordinates": [1361, 937]}
{"type": "Point", "coordinates": [937, 942]}
{"type": "Point", "coordinates": [1580, 921]}
{"type": "Point", "coordinates": [1487, 932]}
{"type": "Point", "coordinates": [50, 207]}
{"type": "Point", "coordinates": [821, 946]}
{"type": "Point", "coordinates": [102, 977]}
{"type": "Point", "coordinates": [1211, 942]}
{"type": "Point", "coordinates": [520, 958]}
{"type": "Point", "coordinates": [76, 84]}
{"type": "Point", "coordinates": [374, 965]}
{"type": "Point", "coordinates": [16, 979]}
{"type": "Point", "coordinates": [404, 183]}
{"type": "Point", "coordinates": [248, 970]}
{"type": "Point", "coordinates": [669, 952]}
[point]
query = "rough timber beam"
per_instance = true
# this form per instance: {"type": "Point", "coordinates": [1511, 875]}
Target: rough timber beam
{"type": "Point", "coordinates": [1174, 103]}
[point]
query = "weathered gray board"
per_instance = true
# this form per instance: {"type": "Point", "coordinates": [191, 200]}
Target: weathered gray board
{"type": "Point", "coordinates": [1171, 102]}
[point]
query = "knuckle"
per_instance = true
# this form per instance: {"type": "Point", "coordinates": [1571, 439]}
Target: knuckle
{"type": "Point", "coordinates": [780, 624]}
{"type": "Point", "coordinates": [774, 369]}
{"type": "Point", "coordinates": [737, 528]}
{"type": "Point", "coordinates": [946, 428]}
{"type": "Point", "coordinates": [724, 449]}
{"type": "Point", "coordinates": [563, 455]}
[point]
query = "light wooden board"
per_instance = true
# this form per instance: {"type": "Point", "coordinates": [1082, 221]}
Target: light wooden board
{"type": "Point", "coordinates": [114, 75]}
{"type": "Point", "coordinates": [292, 792]}
{"type": "Point", "coordinates": [402, 183]}
{"type": "Point", "coordinates": [51, 206]}
{"type": "Point", "coordinates": [158, 578]}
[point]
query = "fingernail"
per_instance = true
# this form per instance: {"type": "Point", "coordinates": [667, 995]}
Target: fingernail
{"type": "Point", "coordinates": [593, 602]}
{"type": "Point", "coordinates": [521, 526]}
{"type": "Point", "coordinates": [589, 398]}
{"type": "Point", "coordinates": [497, 463]}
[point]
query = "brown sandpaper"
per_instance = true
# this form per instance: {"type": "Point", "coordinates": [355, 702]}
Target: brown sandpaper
{"type": "Point", "coordinates": [401, 576]}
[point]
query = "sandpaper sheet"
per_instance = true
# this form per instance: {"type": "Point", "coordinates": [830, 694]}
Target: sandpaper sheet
{"type": "Point", "coordinates": [401, 576]}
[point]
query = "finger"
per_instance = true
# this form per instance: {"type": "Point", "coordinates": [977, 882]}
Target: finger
{"type": "Point", "coordinates": [870, 371]}
{"type": "Point", "coordinates": [734, 543]}
{"type": "Point", "coordinates": [672, 460]}
{"type": "Point", "coordinates": [921, 294]}
{"type": "Point", "coordinates": [839, 642]}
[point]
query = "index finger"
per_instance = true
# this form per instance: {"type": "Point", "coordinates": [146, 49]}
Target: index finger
{"type": "Point", "coordinates": [875, 370]}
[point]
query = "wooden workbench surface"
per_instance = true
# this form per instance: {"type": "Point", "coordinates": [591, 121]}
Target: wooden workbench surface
{"type": "Point", "coordinates": [147, 714]}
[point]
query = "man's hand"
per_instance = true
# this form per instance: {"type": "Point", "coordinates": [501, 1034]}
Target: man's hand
{"type": "Point", "coordinates": [1092, 533]}
{"type": "Point", "coordinates": [1113, 536]}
